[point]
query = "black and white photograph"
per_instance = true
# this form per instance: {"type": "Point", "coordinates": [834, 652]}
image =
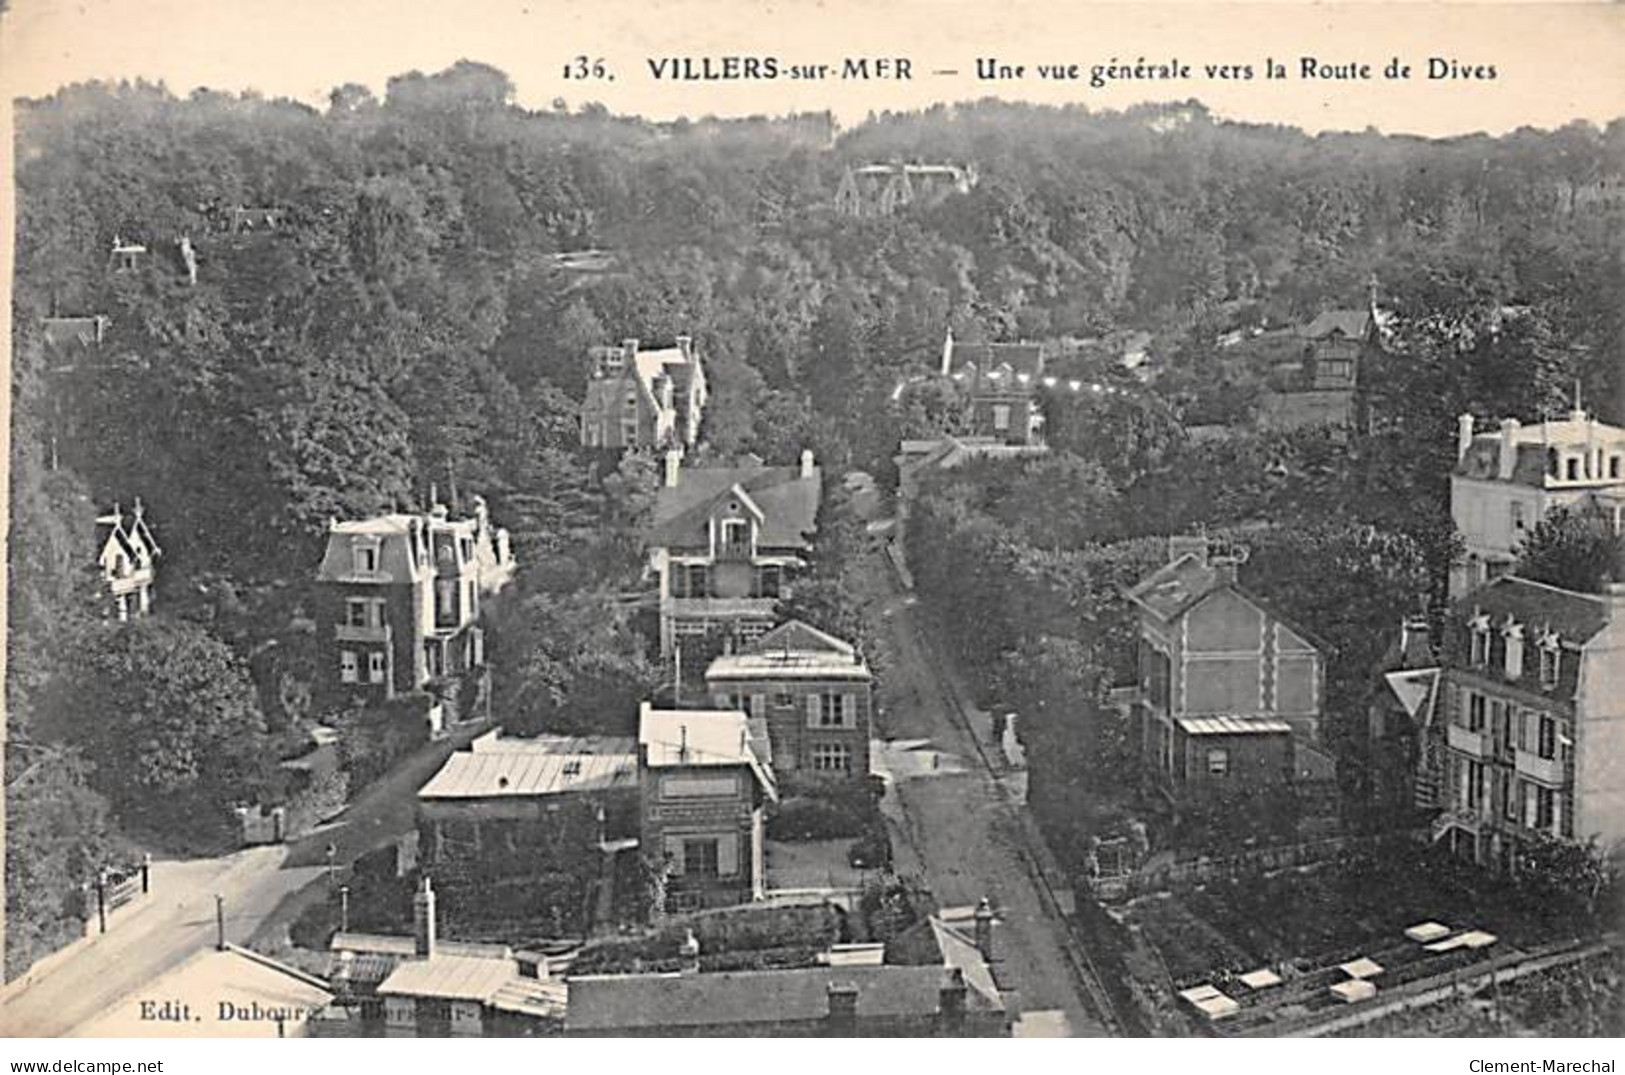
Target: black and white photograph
{"type": "Point", "coordinates": [709, 519]}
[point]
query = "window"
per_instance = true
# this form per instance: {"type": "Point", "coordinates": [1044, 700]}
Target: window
{"type": "Point", "coordinates": [1501, 726]}
{"type": "Point", "coordinates": [735, 535]}
{"type": "Point", "coordinates": [349, 667]}
{"type": "Point", "coordinates": [1571, 469]}
{"type": "Point", "coordinates": [362, 612]}
{"type": "Point", "coordinates": [784, 701]}
{"type": "Point", "coordinates": [1504, 792]}
{"type": "Point", "coordinates": [1546, 743]}
{"type": "Point", "coordinates": [830, 709]}
{"type": "Point", "coordinates": [1001, 416]}
{"type": "Point", "coordinates": [1514, 650]}
{"type": "Point", "coordinates": [375, 666]}
{"type": "Point", "coordinates": [1475, 711]}
{"type": "Point", "coordinates": [1550, 663]}
{"type": "Point", "coordinates": [1613, 466]}
{"type": "Point", "coordinates": [366, 557]}
{"type": "Point", "coordinates": [1518, 521]}
{"type": "Point", "coordinates": [1475, 784]}
{"type": "Point", "coordinates": [700, 858]}
{"type": "Point", "coordinates": [769, 580]}
{"type": "Point", "coordinates": [1218, 761]}
{"type": "Point", "coordinates": [1544, 799]}
{"type": "Point", "coordinates": [1480, 630]}
{"type": "Point", "coordinates": [831, 758]}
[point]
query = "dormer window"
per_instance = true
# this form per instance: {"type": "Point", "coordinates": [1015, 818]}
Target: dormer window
{"type": "Point", "coordinates": [735, 537]}
{"type": "Point", "coordinates": [1512, 635]}
{"type": "Point", "coordinates": [1479, 630]}
{"type": "Point", "coordinates": [1551, 661]}
{"type": "Point", "coordinates": [366, 557]}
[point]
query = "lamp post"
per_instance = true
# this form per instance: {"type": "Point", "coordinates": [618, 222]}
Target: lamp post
{"type": "Point", "coordinates": [332, 858]}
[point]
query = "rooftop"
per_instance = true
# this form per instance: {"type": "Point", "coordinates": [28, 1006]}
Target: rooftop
{"type": "Point", "coordinates": [1233, 726]}
{"type": "Point", "coordinates": [792, 650]}
{"type": "Point", "coordinates": [450, 977]}
{"type": "Point", "coordinates": [495, 767]}
{"type": "Point", "coordinates": [210, 979]}
{"type": "Point", "coordinates": [1351, 323]}
{"type": "Point", "coordinates": [1573, 616]}
{"type": "Point", "coordinates": [653, 1001]}
{"type": "Point", "coordinates": [787, 499]}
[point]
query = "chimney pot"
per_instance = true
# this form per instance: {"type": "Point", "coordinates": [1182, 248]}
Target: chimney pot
{"type": "Point", "coordinates": [1464, 435]}
{"type": "Point", "coordinates": [674, 467]}
{"type": "Point", "coordinates": [1509, 448]}
{"type": "Point", "coordinates": [807, 463]}
{"type": "Point", "coordinates": [423, 920]}
{"type": "Point", "coordinates": [984, 929]}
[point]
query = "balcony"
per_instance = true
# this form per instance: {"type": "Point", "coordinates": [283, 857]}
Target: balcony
{"type": "Point", "coordinates": [717, 607]}
{"type": "Point", "coordinates": [1545, 770]}
{"type": "Point", "coordinates": [347, 632]}
{"type": "Point", "coordinates": [1473, 744]}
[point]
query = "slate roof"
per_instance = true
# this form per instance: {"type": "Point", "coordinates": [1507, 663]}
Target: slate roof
{"type": "Point", "coordinates": [396, 559]}
{"type": "Point", "coordinates": [1532, 441]}
{"type": "Point", "coordinates": [1575, 617]}
{"type": "Point", "coordinates": [1301, 409]}
{"type": "Point", "coordinates": [1176, 586]}
{"type": "Point", "coordinates": [531, 768]}
{"type": "Point", "coordinates": [788, 502]}
{"type": "Point", "coordinates": [653, 1001]}
{"type": "Point", "coordinates": [1006, 367]}
{"type": "Point", "coordinates": [1351, 323]}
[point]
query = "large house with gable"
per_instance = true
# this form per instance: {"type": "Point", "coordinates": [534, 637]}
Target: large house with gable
{"type": "Point", "coordinates": [642, 398]}
{"type": "Point", "coordinates": [725, 544]}
{"type": "Point", "coordinates": [1229, 694]}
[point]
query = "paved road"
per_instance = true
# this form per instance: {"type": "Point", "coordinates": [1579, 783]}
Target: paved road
{"type": "Point", "coordinates": [960, 825]}
{"type": "Point", "coordinates": [264, 889]}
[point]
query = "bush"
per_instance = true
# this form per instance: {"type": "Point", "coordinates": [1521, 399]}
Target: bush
{"type": "Point", "coordinates": [872, 850]}
{"type": "Point", "coordinates": [812, 810]}
{"type": "Point", "coordinates": [815, 819]}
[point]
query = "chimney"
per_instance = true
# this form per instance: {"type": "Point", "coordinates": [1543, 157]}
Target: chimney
{"type": "Point", "coordinates": [690, 951]}
{"type": "Point", "coordinates": [629, 351]}
{"type": "Point", "coordinates": [423, 926]}
{"type": "Point", "coordinates": [984, 930]}
{"type": "Point", "coordinates": [843, 1005]}
{"type": "Point", "coordinates": [1464, 435]}
{"type": "Point", "coordinates": [951, 1001]}
{"type": "Point", "coordinates": [674, 467]}
{"type": "Point", "coordinates": [948, 353]}
{"type": "Point", "coordinates": [806, 463]}
{"type": "Point", "coordinates": [1414, 642]}
{"type": "Point", "coordinates": [1509, 448]}
{"type": "Point", "coordinates": [685, 344]}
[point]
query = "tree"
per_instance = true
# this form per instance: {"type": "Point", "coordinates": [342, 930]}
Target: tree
{"type": "Point", "coordinates": [166, 717]}
{"type": "Point", "coordinates": [1573, 549]}
{"type": "Point", "coordinates": [58, 837]}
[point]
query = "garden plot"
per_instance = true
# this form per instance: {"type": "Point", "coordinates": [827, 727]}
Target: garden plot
{"type": "Point", "coordinates": [1309, 924]}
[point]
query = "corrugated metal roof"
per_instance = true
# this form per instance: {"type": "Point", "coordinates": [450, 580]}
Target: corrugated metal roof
{"type": "Point", "coordinates": [506, 768]}
{"type": "Point", "coordinates": [1233, 726]}
{"type": "Point", "coordinates": [450, 977]}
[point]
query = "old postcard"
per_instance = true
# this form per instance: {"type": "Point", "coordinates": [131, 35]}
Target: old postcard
{"type": "Point", "coordinates": [533, 519]}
